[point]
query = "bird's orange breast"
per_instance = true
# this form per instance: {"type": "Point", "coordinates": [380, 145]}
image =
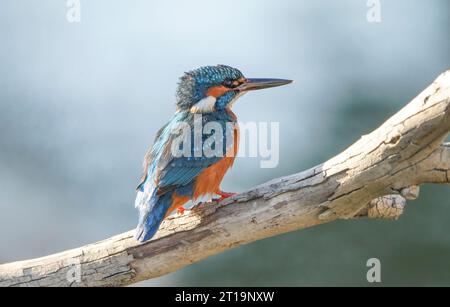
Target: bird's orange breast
{"type": "Point", "coordinates": [208, 182]}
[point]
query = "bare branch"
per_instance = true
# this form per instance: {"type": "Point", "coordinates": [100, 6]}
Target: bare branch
{"type": "Point", "coordinates": [372, 178]}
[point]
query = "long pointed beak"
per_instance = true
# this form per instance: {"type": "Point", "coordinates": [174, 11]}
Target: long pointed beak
{"type": "Point", "coordinates": [252, 84]}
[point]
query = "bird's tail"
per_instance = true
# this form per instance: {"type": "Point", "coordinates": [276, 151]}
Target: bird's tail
{"type": "Point", "coordinates": [151, 214]}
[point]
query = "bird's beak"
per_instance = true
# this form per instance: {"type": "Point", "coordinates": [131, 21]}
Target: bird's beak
{"type": "Point", "coordinates": [252, 84]}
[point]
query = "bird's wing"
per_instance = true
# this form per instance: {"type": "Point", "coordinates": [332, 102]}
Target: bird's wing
{"type": "Point", "coordinates": [182, 171]}
{"type": "Point", "coordinates": [151, 155]}
{"type": "Point", "coordinates": [167, 171]}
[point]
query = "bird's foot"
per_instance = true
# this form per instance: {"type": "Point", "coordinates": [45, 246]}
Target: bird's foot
{"type": "Point", "coordinates": [181, 210]}
{"type": "Point", "coordinates": [223, 195]}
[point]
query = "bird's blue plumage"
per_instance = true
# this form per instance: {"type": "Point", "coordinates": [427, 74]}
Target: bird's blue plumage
{"type": "Point", "coordinates": [167, 174]}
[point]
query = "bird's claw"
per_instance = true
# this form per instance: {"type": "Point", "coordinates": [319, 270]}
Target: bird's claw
{"type": "Point", "coordinates": [181, 210]}
{"type": "Point", "coordinates": [224, 195]}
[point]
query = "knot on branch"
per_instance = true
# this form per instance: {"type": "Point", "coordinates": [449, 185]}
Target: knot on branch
{"type": "Point", "coordinates": [386, 207]}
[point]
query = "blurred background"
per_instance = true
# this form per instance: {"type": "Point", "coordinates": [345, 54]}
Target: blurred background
{"type": "Point", "coordinates": [80, 103]}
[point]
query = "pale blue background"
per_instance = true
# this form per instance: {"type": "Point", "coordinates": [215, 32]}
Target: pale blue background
{"type": "Point", "coordinates": [79, 104]}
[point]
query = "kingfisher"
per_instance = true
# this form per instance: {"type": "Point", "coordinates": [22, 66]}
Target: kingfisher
{"type": "Point", "coordinates": [186, 163]}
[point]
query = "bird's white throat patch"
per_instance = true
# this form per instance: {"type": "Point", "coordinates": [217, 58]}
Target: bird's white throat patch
{"type": "Point", "coordinates": [205, 105]}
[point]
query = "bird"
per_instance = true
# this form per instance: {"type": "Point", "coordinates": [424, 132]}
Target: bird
{"type": "Point", "coordinates": [170, 180]}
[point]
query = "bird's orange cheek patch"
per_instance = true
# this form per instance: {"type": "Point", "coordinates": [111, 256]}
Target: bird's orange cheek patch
{"type": "Point", "coordinates": [217, 91]}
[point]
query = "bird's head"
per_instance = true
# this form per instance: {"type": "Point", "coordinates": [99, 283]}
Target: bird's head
{"type": "Point", "coordinates": [211, 88]}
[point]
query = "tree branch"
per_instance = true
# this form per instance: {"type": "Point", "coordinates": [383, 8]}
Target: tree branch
{"type": "Point", "coordinates": [372, 178]}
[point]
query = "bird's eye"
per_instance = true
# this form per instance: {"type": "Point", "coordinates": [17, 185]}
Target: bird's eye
{"type": "Point", "coordinates": [231, 83]}
{"type": "Point", "coordinates": [228, 83]}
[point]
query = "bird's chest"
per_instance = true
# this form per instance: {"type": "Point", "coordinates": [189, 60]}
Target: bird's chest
{"type": "Point", "coordinates": [234, 133]}
{"type": "Point", "coordinates": [208, 182]}
{"type": "Point", "coordinates": [221, 128]}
